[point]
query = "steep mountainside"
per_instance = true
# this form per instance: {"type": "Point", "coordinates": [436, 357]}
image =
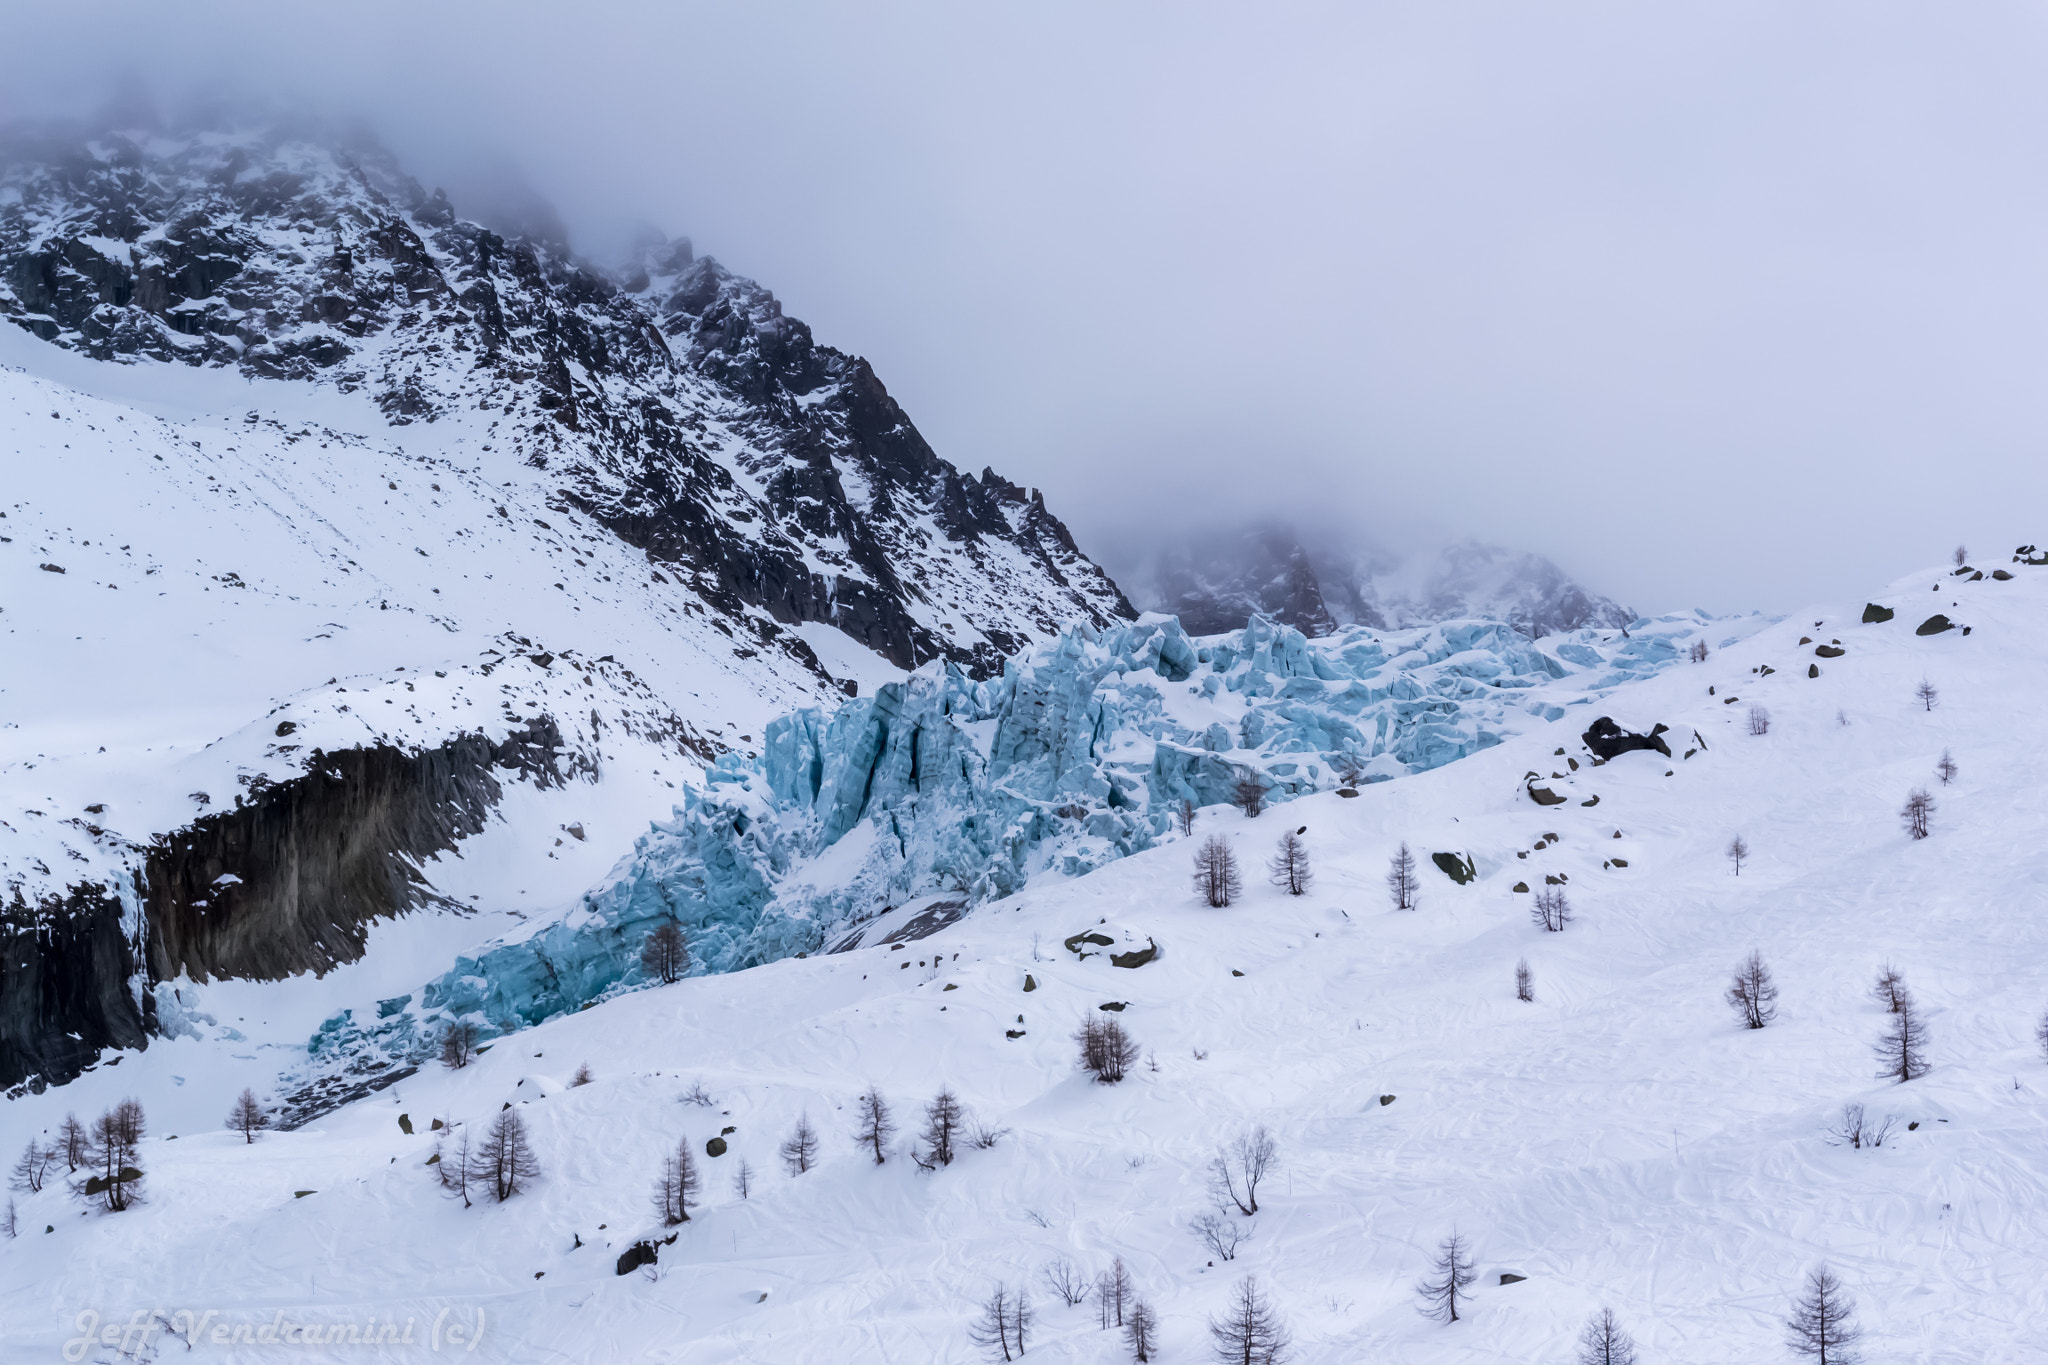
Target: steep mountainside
{"type": "Point", "coordinates": [678, 406]}
{"type": "Point", "coordinates": [1217, 581]}
{"type": "Point", "coordinates": [336, 527]}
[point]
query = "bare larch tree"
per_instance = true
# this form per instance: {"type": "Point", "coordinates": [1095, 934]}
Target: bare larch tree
{"type": "Point", "coordinates": [73, 1143]}
{"type": "Point", "coordinates": [997, 1325]}
{"type": "Point", "coordinates": [1738, 852]}
{"type": "Point", "coordinates": [1249, 793]}
{"type": "Point", "coordinates": [1113, 1293]}
{"type": "Point", "coordinates": [1946, 769]}
{"type": "Point", "coordinates": [800, 1148]}
{"type": "Point", "coordinates": [675, 1189]}
{"type": "Point", "coordinates": [503, 1162]}
{"type": "Point", "coordinates": [1889, 989]}
{"type": "Point", "coordinates": [944, 1120]}
{"type": "Point", "coordinates": [1821, 1327]}
{"type": "Point", "coordinates": [1141, 1330]}
{"type": "Point", "coordinates": [1914, 814]}
{"type": "Point", "coordinates": [1289, 868]}
{"type": "Point", "coordinates": [1759, 721]}
{"type": "Point", "coordinates": [1752, 994]}
{"type": "Point", "coordinates": [1550, 910]}
{"type": "Point", "coordinates": [1184, 813]}
{"type": "Point", "coordinates": [1927, 694]}
{"type": "Point", "coordinates": [458, 1045]}
{"type": "Point", "coordinates": [1217, 880]}
{"type": "Point", "coordinates": [30, 1170]}
{"type": "Point", "coordinates": [1961, 556]}
{"type": "Point", "coordinates": [115, 1141]}
{"type": "Point", "coordinates": [1401, 883]}
{"type": "Point", "coordinates": [247, 1117]}
{"type": "Point", "coordinates": [1603, 1342]}
{"type": "Point", "coordinates": [665, 956]}
{"type": "Point", "coordinates": [1525, 981]}
{"type": "Point", "coordinates": [1450, 1273]}
{"type": "Point", "coordinates": [876, 1126]}
{"type": "Point", "coordinates": [1249, 1332]}
{"type": "Point", "coordinates": [1902, 1050]}
{"type": "Point", "coordinates": [1238, 1167]}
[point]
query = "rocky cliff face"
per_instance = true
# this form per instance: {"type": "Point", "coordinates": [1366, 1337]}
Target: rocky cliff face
{"type": "Point", "coordinates": [674, 402]}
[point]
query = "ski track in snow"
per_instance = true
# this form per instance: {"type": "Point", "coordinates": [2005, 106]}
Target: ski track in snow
{"type": "Point", "coordinates": [1620, 1141]}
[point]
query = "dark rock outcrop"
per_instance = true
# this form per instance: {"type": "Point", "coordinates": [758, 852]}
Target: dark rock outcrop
{"type": "Point", "coordinates": [287, 881]}
{"type": "Point", "coordinates": [1608, 740]}
{"type": "Point", "coordinates": [67, 972]}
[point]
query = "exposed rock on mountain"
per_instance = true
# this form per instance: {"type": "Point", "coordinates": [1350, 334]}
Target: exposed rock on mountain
{"type": "Point", "coordinates": [676, 405]}
{"type": "Point", "coordinates": [1217, 581]}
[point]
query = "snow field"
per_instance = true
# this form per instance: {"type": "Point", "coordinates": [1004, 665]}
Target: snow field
{"type": "Point", "coordinates": [1620, 1141]}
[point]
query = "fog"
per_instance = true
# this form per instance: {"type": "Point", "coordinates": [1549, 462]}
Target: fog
{"type": "Point", "coordinates": [1733, 305]}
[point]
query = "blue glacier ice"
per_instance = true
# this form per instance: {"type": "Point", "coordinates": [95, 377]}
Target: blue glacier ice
{"type": "Point", "coordinates": [945, 786]}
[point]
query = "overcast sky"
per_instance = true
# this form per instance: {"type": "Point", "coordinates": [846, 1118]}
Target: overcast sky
{"type": "Point", "coordinates": [1727, 304]}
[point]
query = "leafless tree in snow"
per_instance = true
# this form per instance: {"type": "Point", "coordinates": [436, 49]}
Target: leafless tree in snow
{"type": "Point", "coordinates": [876, 1125]}
{"type": "Point", "coordinates": [1184, 812]}
{"type": "Point", "coordinates": [1525, 981]}
{"type": "Point", "coordinates": [1289, 869]}
{"type": "Point", "coordinates": [1550, 910]}
{"type": "Point", "coordinates": [1759, 721]}
{"type": "Point", "coordinates": [1450, 1273]}
{"type": "Point", "coordinates": [503, 1161]}
{"type": "Point", "coordinates": [1946, 769]}
{"type": "Point", "coordinates": [247, 1117]}
{"type": "Point", "coordinates": [1249, 792]}
{"type": "Point", "coordinates": [458, 1045]}
{"type": "Point", "coordinates": [800, 1148]}
{"type": "Point", "coordinates": [10, 1225]}
{"type": "Point", "coordinates": [115, 1140]}
{"type": "Point", "coordinates": [1915, 813]}
{"type": "Point", "coordinates": [1221, 1235]}
{"type": "Point", "coordinates": [1249, 1332]}
{"type": "Point", "coordinates": [675, 1189]}
{"type": "Point", "coordinates": [1927, 694]}
{"type": "Point", "coordinates": [34, 1165]}
{"type": "Point", "coordinates": [452, 1163]}
{"type": "Point", "coordinates": [1902, 1050]}
{"type": "Point", "coordinates": [1604, 1343]}
{"type": "Point", "coordinates": [1106, 1049]}
{"type": "Point", "coordinates": [1857, 1129]}
{"type": "Point", "coordinates": [743, 1179]}
{"type": "Point", "coordinates": [582, 1076]}
{"type": "Point", "coordinates": [1112, 1293]}
{"type": "Point", "coordinates": [1001, 1328]}
{"type": "Point", "coordinates": [1401, 883]}
{"type": "Point", "coordinates": [1141, 1330]}
{"type": "Point", "coordinates": [1238, 1168]}
{"type": "Point", "coordinates": [1889, 989]}
{"type": "Point", "coordinates": [1349, 767]}
{"type": "Point", "coordinates": [1217, 880]}
{"type": "Point", "coordinates": [1698, 652]}
{"type": "Point", "coordinates": [1068, 1284]}
{"type": "Point", "coordinates": [665, 956]}
{"type": "Point", "coordinates": [1752, 994]}
{"type": "Point", "coordinates": [1738, 851]}
{"type": "Point", "coordinates": [1961, 556]}
{"type": "Point", "coordinates": [944, 1121]}
{"type": "Point", "coordinates": [1821, 1327]}
{"type": "Point", "coordinates": [699, 1096]}
{"type": "Point", "coordinates": [72, 1143]}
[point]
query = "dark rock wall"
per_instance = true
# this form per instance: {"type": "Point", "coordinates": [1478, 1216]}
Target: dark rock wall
{"type": "Point", "coordinates": [288, 881]}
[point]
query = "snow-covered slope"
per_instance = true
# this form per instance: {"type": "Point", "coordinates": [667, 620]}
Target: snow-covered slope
{"type": "Point", "coordinates": [1619, 1141]}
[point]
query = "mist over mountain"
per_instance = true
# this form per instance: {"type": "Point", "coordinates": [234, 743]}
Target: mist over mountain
{"type": "Point", "coordinates": [1215, 579]}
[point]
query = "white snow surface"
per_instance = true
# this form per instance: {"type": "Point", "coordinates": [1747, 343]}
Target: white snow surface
{"type": "Point", "coordinates": [1621, 1141]}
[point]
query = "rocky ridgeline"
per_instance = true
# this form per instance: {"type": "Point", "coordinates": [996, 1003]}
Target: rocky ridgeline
{"type": "Point", "coordinates": [672, 401]}
{"type": "Point", "coordinates": [948, 789]}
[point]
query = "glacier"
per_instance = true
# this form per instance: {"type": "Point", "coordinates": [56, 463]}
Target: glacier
{"type": "Point", "coordinates": [945, 789]}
